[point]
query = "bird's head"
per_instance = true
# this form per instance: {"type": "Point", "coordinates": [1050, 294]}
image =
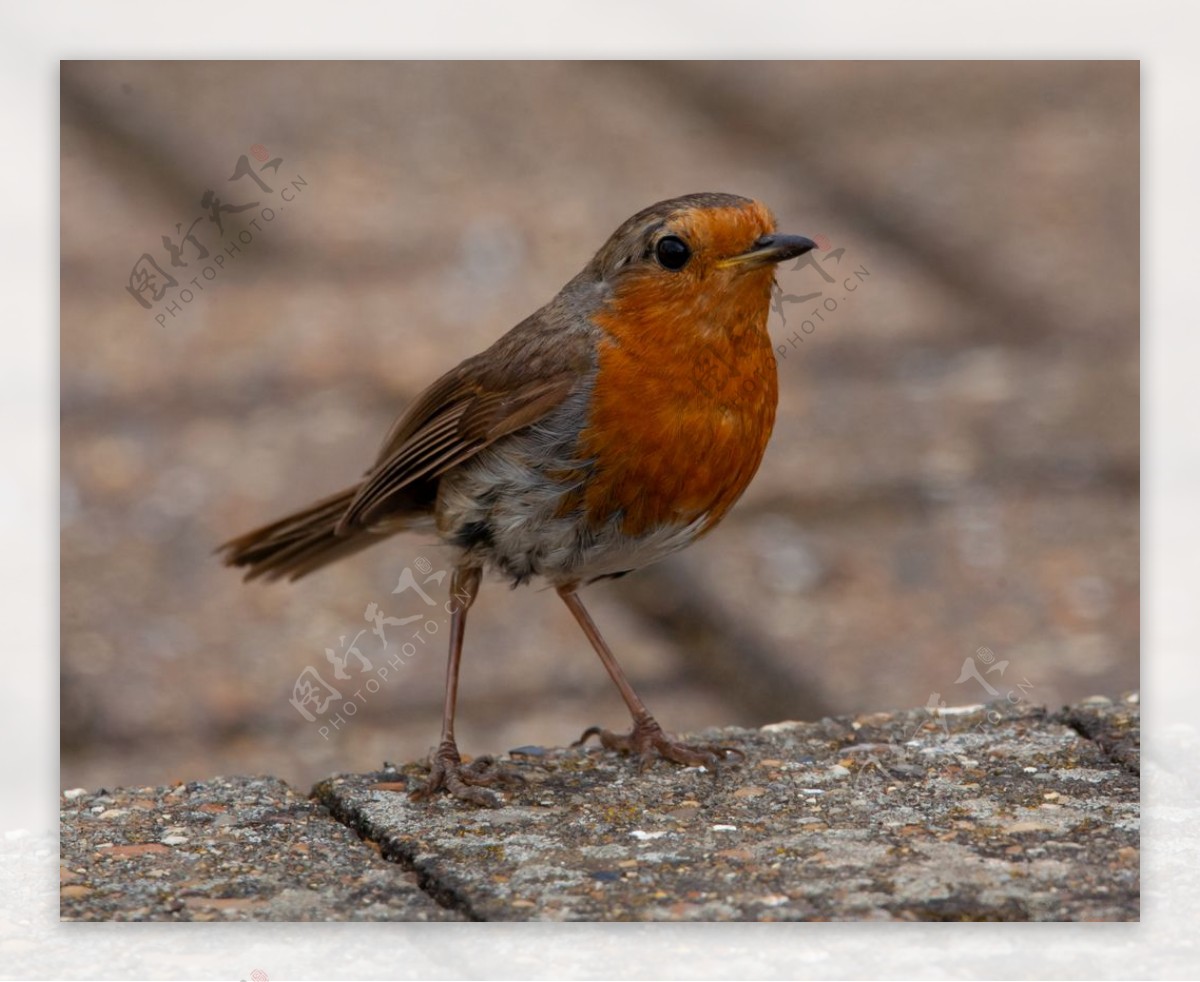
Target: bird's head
{"type": "Point", "coordinates": [706, 259]}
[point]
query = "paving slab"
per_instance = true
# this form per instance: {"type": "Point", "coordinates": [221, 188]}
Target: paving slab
{"type": "Point", "coordinates": [997, 812]}
{"type": "Point", "coordinates": [230, 849]}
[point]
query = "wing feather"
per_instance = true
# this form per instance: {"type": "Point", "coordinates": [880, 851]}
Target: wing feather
{"type": "Point", "coordinates": [522, 377]}
{"type": "Point", "coordinates": [450, 434]}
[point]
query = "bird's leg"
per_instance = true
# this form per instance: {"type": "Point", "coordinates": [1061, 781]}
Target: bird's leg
{"type": "Point", "coordinates": [647, 738]}
{"type": "Point", "coordinates": [447, 772]}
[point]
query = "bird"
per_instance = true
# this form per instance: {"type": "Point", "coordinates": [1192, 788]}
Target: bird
{"type": "Point", "coordinates": [606, 431]}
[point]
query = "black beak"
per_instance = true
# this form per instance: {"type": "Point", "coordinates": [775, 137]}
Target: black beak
{"type": "Point", "coordinates": [770, 249]}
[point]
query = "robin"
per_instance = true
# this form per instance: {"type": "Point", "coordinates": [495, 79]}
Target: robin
{"type": "Point", "coordinates": [604, 432]}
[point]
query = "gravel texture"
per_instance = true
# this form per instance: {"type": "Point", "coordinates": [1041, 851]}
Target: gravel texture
{"type": "Point", "coordinates": [230, 849]}
{"type": "Point", "coordinates": [979, 813]}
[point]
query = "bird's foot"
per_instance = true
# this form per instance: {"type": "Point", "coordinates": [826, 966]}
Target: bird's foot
{"type": "Point", "coordinates": [648, 740]}
{"type": "Point", "coordinates": [467, 782]}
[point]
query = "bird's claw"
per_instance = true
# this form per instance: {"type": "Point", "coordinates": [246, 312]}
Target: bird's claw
{"type": "Point", "coordinates": [467, 782]}
{"type": "Point", "coordinates": [649, 742]}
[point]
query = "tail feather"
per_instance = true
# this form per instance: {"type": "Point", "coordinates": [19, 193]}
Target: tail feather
{"type": "Point", "coordinates": [300, 543]}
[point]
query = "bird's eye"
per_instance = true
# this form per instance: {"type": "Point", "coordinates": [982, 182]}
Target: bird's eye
{"type": "Point", "coordinates": [672, 252]}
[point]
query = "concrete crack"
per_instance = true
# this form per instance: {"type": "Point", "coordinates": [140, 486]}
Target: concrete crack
{"type": "Point", "coordinates": [401, 854]}
{"type": "Point", "coordinates": [1112, 728]}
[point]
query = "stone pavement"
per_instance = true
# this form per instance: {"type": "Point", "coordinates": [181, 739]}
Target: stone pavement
{"type": "Point", "coordinates": [237, 849]}
{"type": "Point", "coordinates": [997, 812]}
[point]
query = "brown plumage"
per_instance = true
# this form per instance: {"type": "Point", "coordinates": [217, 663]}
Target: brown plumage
{"type": "Point", "coordinates": [604, 432]}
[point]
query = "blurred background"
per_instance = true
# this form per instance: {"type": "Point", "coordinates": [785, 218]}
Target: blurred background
{"type": "Point", "coordinates": [948, 509]}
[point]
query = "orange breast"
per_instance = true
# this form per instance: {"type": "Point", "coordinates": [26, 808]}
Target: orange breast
{"type": "Point", "coordinates": [683, 405]}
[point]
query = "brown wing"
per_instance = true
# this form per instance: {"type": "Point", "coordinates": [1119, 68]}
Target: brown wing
{"type": "Point", "coordinates": [521, 378]}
